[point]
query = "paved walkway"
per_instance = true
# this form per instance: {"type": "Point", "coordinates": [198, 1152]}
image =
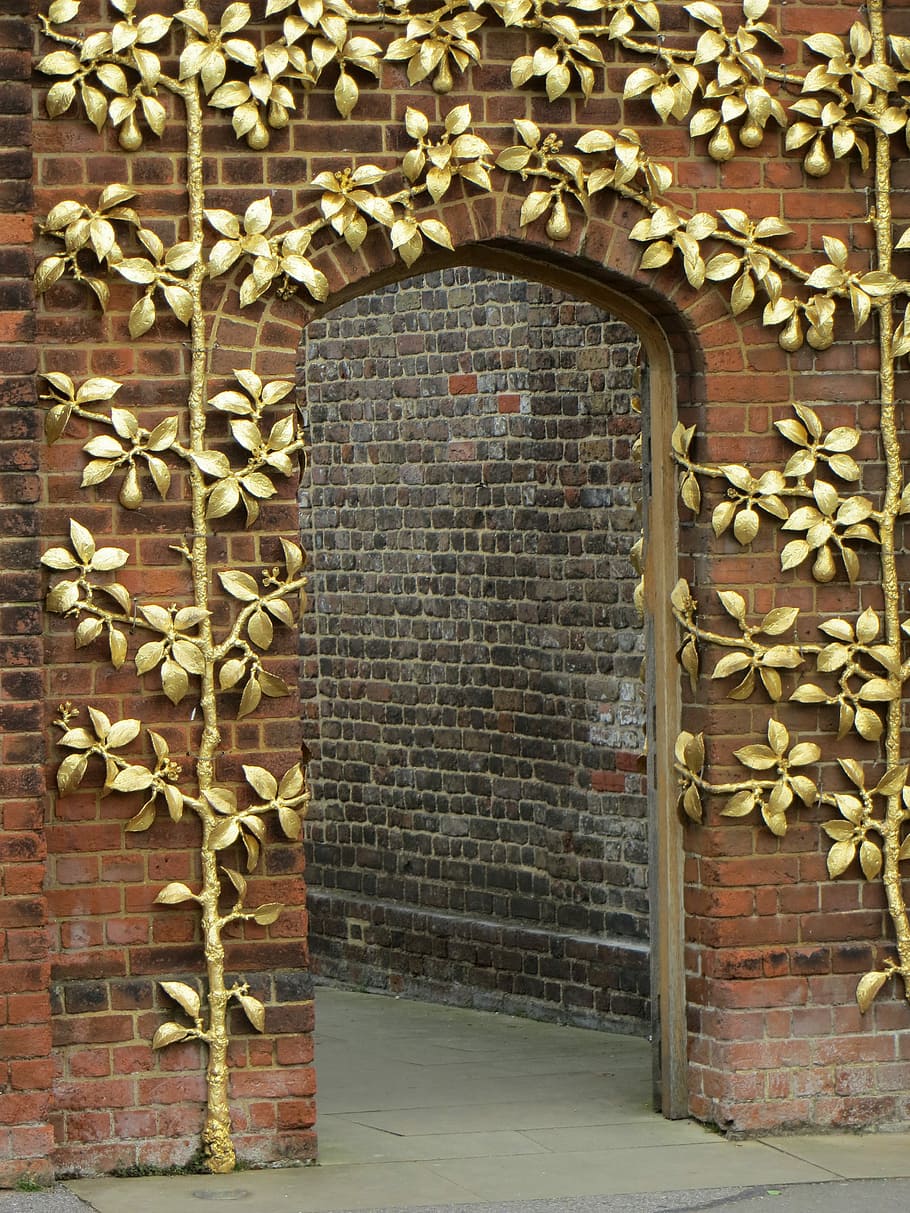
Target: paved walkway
{"type": "Point", "coordinates": [425, 1107]}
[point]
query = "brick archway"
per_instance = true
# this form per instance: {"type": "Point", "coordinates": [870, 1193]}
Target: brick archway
{"type": "Point", "coordinates": [577, 277]}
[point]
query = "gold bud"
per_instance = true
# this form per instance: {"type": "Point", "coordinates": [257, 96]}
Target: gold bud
{"type": "Point", "coordinates": [442, 81]}
{"type": "Point", "coordinates": [751, 134]}
{"type": "Point", "coordinates": [823, 569]}
{"type": "Point", "coordinates": [721, 146]}
{"type": "Point", "coordinates": [558, 225]}
{"type": "Point", "coordinates": [130, 137]}
{"type": "Point", "coordinates": [130, 492]}
{"type": "Point", "coordinates": [821, 338]}
{"type": "Point", "coordinates": [792, 337]}
{"type": "Point", "coordinates": [258, 137]}
{"type": "Point", "coordinates": [818, 162]}
{"type": "Point", "coordinates": [278, 116]}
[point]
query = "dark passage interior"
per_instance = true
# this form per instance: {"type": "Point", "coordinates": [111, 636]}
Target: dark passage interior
{"type": "Point", "coordinates": [472, 652]}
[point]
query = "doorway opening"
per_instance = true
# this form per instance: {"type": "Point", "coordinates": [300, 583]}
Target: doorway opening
{"type": "Point", "coordinates": [480, 825]}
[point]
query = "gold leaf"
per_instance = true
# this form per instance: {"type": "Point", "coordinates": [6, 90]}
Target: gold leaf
{"type": "Point", "coordinates": [839, 830]}
{"type": "Point", "coordinates": [280, 611]}
{"type": "Point", "coordinates": [346, 94]}
{"type": "Point", "coordinates": [794, 553]}
{"type": "Point", "coordinates": [691, 492]}
{"type": "Point", "coordinates": [185, 995]}
{"type": "Point", "coordinates": [776, 822]}
{"type": "Point", "coordinates": [174, 893]}
{"type": "Point", "coordinates": [132, 779]}
{"type": "Point", "coordinates": [170, 1034]}
{"type": "Point", "coordinates": [249, 700]}
{"type": "Point", "coordinates": [846, 719]}
{"type": "Point", "coordinates": [174, 680]}
{"type": "Point", "coordinates": [892, 782]}
{"type": "Point", "coordinates": [122, 733]}
{"type": "Point", "coordinates": [740, 804]}
{"type": "Point", "coordinates": [251, 845]}
{"type": "Point", "coordinates": [689, 660]}
{"type": "Point", "coordinates": [231, 673]}
{"type": "Point", "coordinates": [867, 626]}
{"type": "Point", "coordinates": [779, 620]}
{"type": "Point", "coordinates": [691, 803]}
{"type": "Point", "coordinates": [694, 752]}
{"type": "Point", "coordinates": [180, 301]}
{"type": "Point", "coordinates": [732, 663]}
{"type": "Point", "coordinates": [260, 629]}
{"type": "Point", "coordinates": [757, 757]}
{"type": "Point", "coordinates": [142, 317]}
{"type": "Point", "coordinates": [262, 781]}
{"type": "Point", "coordinates": [143, 820]}
{"type": "Point", "coordinates": [254, 1010]}
{"type": "Point", "coordinates": [878, 690]}
{"type": "Point", "coordinates": [70, 773]}
{"type": "Point", "coordinates": [839, 628]}
{"type": "Point", "coordinates": [745, 688]}
{"type": "Point", "coordinates": [174, 799]}
{"type": "Point", "coordinates": [272, 686]}
{"type": "Point", "coordinates": [63, 597]}
{"type": "Point", "coordinates": [87, 631]}
{"type": "Point", "coordinates": [118, 647]}
{"type": "Point", "coordinates": [59, 63]}
{"type": "Point", "coordinates": [289, 820]}
{"type": "Point", "coordinates": [840, 857]}
{"type": "Point", "coordinates": [224, 833]}
{"type": "Point", "coordinates": [292, 782]}
{"type": "Point", "coordinates": [224, 496]}
{"type": "Point", "coordinates": [734, 604]}
{"type": "Point", "coordinates": [535, 205]}
{"type": "Point", "coordinates": [745, 526]}
{"type": "Point", "coordinates": [803, 753]}
{"type": "Point", "coordinates": [743, 293]}
{"type": "Point", "coordinates": [870, 859]}
{"type": "Point", "coordinates": [267, 913]}
{"type": "Point", "coordinates": [867, 988]}
{"type": "Point", "coordinates": [149, 656]}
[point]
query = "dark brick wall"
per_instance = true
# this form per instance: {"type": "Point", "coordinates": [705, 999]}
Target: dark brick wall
{"type": "Point", "coordinates": [479, 822]}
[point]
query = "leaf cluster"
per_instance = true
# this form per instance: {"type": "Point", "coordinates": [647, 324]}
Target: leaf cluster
{"type": "Point", "coordinates": [832, 524]}
{"type": "Point", "coordinates": [87, 231]}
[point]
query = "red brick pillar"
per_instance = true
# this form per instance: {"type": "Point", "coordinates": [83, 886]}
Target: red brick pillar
{"type": "Point", "coordinates": [25, 1063]}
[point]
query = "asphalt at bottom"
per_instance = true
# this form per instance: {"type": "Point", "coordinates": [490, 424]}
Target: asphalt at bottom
{"type": "Point", "coordinates": [835, 1196]}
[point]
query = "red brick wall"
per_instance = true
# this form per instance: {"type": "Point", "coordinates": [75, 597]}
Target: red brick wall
{"type": "Point", "coordinates": [26, 1071]}
{"type": "Point", "coordinates": [774, 948]}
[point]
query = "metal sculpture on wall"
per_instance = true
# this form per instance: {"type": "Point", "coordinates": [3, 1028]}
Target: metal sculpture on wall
{"type": "Point", "coordinates": [254, 62]}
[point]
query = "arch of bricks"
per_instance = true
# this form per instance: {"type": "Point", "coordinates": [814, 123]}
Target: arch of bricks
{"type": "Point", "coordinates": [772, 948]}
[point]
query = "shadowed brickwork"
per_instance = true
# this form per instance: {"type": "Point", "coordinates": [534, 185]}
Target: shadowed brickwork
{"type": "Point", "coordinates": [479, 822]}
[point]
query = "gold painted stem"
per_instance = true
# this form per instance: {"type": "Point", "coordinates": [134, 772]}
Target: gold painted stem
{"type": "Point", "coordinates": [216, 1133]}
{"type": "Point", "coordinates": [882, 220]}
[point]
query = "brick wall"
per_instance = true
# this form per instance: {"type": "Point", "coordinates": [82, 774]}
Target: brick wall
{"type": "Point", "coordinates": [773, 947]}
{"type": "Point", "coordinates": [479, 829]}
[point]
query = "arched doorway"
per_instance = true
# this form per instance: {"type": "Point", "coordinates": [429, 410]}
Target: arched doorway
{"type": "Point", "coordinates": [480, 821]}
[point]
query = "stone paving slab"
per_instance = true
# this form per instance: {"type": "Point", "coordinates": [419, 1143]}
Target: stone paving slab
{"type": "Point", "coordinates": [423, 1129]}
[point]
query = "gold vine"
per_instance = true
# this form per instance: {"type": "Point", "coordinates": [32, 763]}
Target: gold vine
{"type": "Point", "coordinates": [728, 85]}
